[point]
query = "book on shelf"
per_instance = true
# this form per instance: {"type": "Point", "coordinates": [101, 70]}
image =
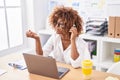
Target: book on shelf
{"type": "Point", "coordinates": [91, 47]}
{"type": "Point", "coordinates": [116, 55]}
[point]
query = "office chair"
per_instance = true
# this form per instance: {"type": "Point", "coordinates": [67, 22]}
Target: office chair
{"type": "Point", "coordinates": [115, 68]}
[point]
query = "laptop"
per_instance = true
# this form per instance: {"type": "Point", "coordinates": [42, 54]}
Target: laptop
{"type": "Point", "coordinates": [45, 66]}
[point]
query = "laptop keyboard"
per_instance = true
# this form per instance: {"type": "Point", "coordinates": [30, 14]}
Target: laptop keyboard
{"type": "Point", "coordinates": [60, 73]}
{"type": "Point", "coordinates": [61, 70]}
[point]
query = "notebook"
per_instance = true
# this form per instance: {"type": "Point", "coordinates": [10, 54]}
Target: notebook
{"type": "Point", "coordinates": [45, 66]}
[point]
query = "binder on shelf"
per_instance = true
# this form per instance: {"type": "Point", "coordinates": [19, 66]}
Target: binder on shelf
{"type": "Point", "coordinates": [111, 26]}
{"type": "Point", "coordinates": [117, 28]}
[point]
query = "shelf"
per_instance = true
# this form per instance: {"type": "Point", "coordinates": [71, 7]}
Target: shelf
{"type": "Point", "coordinates": [95, 61]}
{"type": "Point", "coordinates": [90, 37]}
{"type": "Point", "coordinates": [108, 39]}
{"type": "Point", "coordinates": [106, 64]}
{"type": "Point", "coordinates": [102, 38]}
{"type": "Point", "coordinates": [108, 50]}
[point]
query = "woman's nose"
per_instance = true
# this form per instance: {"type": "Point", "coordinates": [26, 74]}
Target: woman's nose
{"type": "Point", "coordinates": [57, 25]}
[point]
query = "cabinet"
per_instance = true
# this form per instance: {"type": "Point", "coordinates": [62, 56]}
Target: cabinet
{"type": "Point", "coordinates": [104, 48]}
{"type": "Point", "coordinates": [107, 49]}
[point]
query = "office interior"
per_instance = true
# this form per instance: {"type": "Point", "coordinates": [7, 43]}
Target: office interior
{"type": "Point", "coordinates": [18, 16]}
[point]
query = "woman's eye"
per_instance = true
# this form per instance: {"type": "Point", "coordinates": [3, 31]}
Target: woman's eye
{"type": "Point", "coordinates": [61, 25]}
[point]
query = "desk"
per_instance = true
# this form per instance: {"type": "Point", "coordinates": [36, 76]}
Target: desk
{"type": "Point", "coordinates": [15, 74]}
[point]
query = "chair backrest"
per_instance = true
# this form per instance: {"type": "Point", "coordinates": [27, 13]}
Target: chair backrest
{"type": "Point", "coordinates": [115, 68]}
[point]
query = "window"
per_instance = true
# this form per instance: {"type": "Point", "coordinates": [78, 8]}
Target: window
{"type": "Point", "coordinates": [11, 24]}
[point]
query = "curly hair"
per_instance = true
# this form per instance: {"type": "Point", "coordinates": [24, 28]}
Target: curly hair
{"type": "Point", "coordinates": [69, 16]}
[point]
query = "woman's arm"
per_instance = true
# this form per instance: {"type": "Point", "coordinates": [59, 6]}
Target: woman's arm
{"type": "Point", "coordinates": [84, 53]}
{"type": "Point", "coordinates": [33, 35]}
{"type": "Point", "coordinates": [74, 52]}
{"type": "Point", "coordinates": [39, 50]}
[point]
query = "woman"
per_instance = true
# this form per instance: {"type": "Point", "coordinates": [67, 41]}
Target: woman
{"type": "Point", "coordinates": [66, 45]}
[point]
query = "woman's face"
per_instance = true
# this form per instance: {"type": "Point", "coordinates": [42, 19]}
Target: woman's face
{"type": "Point", "coordinates": [60, 27]}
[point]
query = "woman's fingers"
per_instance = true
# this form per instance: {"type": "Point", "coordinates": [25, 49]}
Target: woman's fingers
{"type": "Point", "coordinates": [73, 30]}
{"type": "Point", "coordinates": [28, 33]}
{"type": "Point", "coordinates": [31, 34]}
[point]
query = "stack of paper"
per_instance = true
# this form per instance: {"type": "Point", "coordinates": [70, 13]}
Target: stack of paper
{"type": "Point", "coordinates": [111, 78]}
{"type": "Point", "coordinates": [96, 27]}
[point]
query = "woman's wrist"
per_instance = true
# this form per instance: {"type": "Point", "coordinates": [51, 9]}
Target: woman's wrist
{"type": "Point", "coordinates": [37, 38]}
{"type": "Point", "coordinates": [72, 40]}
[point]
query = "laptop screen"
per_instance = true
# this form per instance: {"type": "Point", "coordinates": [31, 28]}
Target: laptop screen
{"type": "Point", "coordinates": [45, 66]}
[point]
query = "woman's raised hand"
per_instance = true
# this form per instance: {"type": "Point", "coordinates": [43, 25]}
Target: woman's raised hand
{"type": "Point", "coordinates": [74, 33]}
{"type": "Point", "coordinates": [32, 34]}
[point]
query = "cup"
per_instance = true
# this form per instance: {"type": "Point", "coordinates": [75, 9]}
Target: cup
{"type": "Point", "coordinates": [87, 69]}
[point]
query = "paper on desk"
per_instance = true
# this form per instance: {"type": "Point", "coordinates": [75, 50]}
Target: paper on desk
{"type": "Point", "coordinates": [111, 78]}
{"type": "Point", "coordinates": [2, 71]}
{"type": "Point", "coordinates": [20, 64]}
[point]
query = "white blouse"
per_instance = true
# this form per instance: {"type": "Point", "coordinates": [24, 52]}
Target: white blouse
{"type": "Point", "coordinates": [54, 48]}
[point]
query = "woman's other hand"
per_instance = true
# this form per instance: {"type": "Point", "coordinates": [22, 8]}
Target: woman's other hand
{"type": "Point", "coordinates": [32, 34]}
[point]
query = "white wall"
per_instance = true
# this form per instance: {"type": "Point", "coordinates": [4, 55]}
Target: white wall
{"type": "Point", "coordinates": [40, 13]}
{"type": "Point", "coordinates": [30, 14]}
{"type": "Point", "coordinates": [30, 21]}
{"type": "Point", "coordinates": [36, 17]}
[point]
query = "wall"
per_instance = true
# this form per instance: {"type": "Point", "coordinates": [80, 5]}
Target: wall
{"type": "Point", "coordinates": [30, 21]}
{"type": "Point", "coordinates": [37, 11]}
{"type": "Point", "coordinates": [36, 17]}
{"type": "Point", "coordinates": [40, 13]}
